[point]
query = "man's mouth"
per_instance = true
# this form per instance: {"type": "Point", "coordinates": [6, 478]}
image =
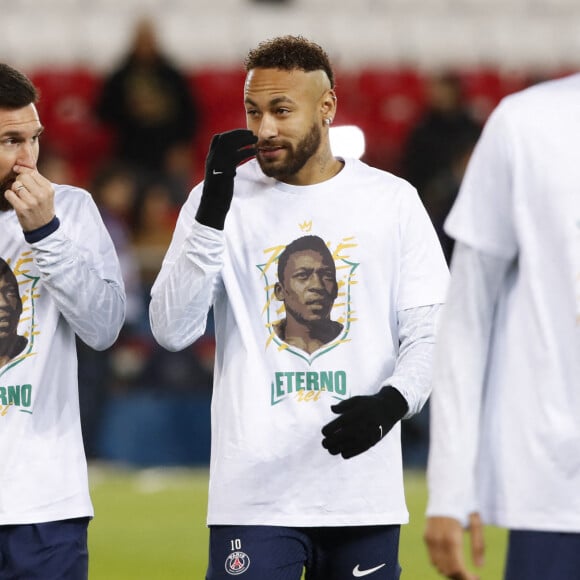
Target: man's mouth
{"type": "Point", "coordinates": [317, 304]}
{"type": "Point", "coordinates": [4, 314]}
{"type": "Point", "coordinates": [270, 149]}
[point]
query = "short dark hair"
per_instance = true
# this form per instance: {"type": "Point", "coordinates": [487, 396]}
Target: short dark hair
{"type": "Point", "coordinates": [5, 268]}
{"type": "Point", "coordinates": [302, 244]}
{"type": "Point", "coordinates": [7, 273]}
{"type": "Point", "coordinates": [16, 89]}
{"type": "Point", "coordinates": [290, 53]}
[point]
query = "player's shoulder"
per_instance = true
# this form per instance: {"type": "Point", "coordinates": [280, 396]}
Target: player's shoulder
{"type": "Point", "coordinates": [388, 186]}
{"type": "Point", "coordinates": [362, 171]}
{"type": "Point", "coordinates": [547, 93]}
{"type": "Point", "coordinates": [71, 197]}
{"type": "Point", "coordinates": [70, 192]}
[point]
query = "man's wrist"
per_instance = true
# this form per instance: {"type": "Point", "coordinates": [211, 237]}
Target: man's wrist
{"type": "Point", "coordinates": [395, 404]}
{"type": "Point", "coordinates": [42, 232]}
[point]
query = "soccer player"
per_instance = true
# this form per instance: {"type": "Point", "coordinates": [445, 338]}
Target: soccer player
{"type": "Point", "coordinates": [68, 283]}
{"type": "Point", "coordinates": [283, 496]}
{"type": "Point", "coordinates": [505, 429]}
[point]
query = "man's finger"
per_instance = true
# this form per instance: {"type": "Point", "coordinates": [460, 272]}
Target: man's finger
{"type": "Point", "coordinates": [477, 539]}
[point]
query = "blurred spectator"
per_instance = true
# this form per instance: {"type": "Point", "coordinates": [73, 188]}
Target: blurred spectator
{"type": "Point", "coordinates": [436, 153]}
{"type": "Point", "coordinates": [440, 193]}
{"type": "Point", "coordinates": [149, 104]}
{"type": "Point", "coordinates": [115, 190]}
{"type": "Point", "coordinates": [56, 167]}
{"type": "Point", "coordinates": [445, 127]}
{"type": "Point", "coordinates": [155, 218]}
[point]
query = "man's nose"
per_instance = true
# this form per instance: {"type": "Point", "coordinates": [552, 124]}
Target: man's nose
{"type": "Point", "coordinates": [268, 128]}
{"type": "Point", "coordinates": [27, 154]}
{"type": "Point", "coordinates": [316, 282]}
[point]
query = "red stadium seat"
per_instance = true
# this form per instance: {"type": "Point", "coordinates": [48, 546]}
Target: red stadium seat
{"type": "Point", "coordinates": [66, 109]}
{"type": "Point", "coordinates": [220, 97]}
{"type": "Point", "coordinates": [385, 103]}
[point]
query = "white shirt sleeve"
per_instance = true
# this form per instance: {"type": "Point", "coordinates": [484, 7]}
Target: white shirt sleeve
{"type": "Point", "coordinates": [412, 374]}
{"type": "Point", "coordinates": [458, 381]}
{"type": "Point", "coordinates": [84, 279]}
{"type": "Point", "coordinates": [185, 287]}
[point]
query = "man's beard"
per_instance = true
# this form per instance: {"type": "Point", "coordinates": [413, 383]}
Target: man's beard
{"type": "Point", "coordinates": [296, 158]}
{"type": "Point", "coordinates": [5, 184]}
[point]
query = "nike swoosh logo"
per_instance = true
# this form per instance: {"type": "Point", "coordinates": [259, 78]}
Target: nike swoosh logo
{"type": "Point", "coordinates": [358, 573]}
{"type": "Point", "coordinates": [217, 172]}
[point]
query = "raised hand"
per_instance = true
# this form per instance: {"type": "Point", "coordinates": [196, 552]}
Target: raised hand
{"type": "Point", "coordinates": [32, 197]}
{"type": "Point", "coordinates": [226, 152]}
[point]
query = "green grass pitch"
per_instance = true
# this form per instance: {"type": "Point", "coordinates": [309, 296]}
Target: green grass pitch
{"type": "Point", "coordinates": [150, 525]}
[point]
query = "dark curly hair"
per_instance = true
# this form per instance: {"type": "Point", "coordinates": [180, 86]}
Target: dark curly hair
{"type": "Point", "coordinates": [290, 53]}
{"type": "Point", "coordinates": [16, 89]}
{"type": "Point", "coordinates": [302, 244]}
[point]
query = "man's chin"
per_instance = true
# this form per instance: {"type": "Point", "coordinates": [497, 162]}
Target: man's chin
{"type": "Point", "coordinates": [269, 169]}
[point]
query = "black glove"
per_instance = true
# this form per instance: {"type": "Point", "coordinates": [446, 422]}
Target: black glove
{"type": "Point", "coordinates": [226, 152]}
{"type": "Point", "coordinates": [363, 422]}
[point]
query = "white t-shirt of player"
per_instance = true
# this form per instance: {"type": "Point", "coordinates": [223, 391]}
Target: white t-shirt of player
{"type": "Point", "coordinates": [270, 398]}
{"type": "Point", "coordinates": [520, 201]}
{"type": "Point", "coordinates": [69, 282]}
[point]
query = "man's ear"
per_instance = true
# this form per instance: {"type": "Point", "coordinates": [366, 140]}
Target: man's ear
{"type": "Point", "coordinates": [328, 105]}
{"type": "Point", "coordinates": [279, 291]}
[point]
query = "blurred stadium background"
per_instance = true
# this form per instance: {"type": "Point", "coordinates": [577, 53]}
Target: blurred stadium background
{"type": "Point", "coordinates": [146, 411]}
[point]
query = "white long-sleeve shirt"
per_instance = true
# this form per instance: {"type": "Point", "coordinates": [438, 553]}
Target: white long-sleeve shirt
{"type": "Point", "coordinates": [69, 284]}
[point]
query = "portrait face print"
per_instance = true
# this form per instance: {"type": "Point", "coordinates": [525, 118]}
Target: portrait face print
{"type": "Point", "coordinates": [308, 286]}
{"type": "Point", "coordinates": [11, 343]}
{"type": "Point", "coordinates": [308, 306]}
{"type": "Point", "coordinates": [10, 302]}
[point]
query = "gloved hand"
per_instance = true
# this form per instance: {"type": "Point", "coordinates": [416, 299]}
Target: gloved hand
{"type": "Point", "coordinates": [226, 152]}
{"type": "Point", "coordinates": [364, 420]}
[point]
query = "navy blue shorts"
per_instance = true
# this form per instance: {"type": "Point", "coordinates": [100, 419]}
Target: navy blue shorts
{"type": "Point", "coordinates": [542, 556]}
{"type": "Point", "coordinates": [280, 553]}
{"type": "Point", "coordinates": [48, 551]}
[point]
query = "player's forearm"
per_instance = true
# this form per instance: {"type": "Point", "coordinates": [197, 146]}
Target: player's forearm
{"type": "Point", "coordinates": [92, 303]}
{"type": "Point", "coordinates": [412, 374]}
{"type": "Point", "coordinates": [184, 291]}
